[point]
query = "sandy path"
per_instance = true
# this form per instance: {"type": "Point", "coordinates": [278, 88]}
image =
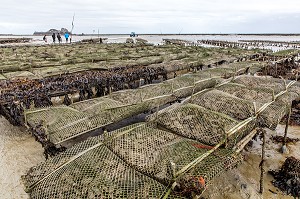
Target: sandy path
{"type": "Point", "coordinates": [18, 152]}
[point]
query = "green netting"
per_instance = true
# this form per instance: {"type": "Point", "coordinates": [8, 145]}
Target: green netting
{"type": "Point", "coordinates": [242, 65]}
{"type": "Point", "coordinates": [38, 172]}
{"type": "Point", "coordinates": [95, 105]}
{"type": "Point", "coordinates": [272, 115]}
{"type": "Point", "coordinates": [90, 170]}
{"type": "Point", "coordinates": [255, 69]}
{"type": "Point", "coordinates": [295, 88]}
{"type": "Point", "coordinates": [220, 161]}
{"type": "Point", "coordinates": [63, 123]}
{"type": "Point", "coordinates": [145, 159]}
{"type": "Point", "coordinates": [222, 102]}
{"type": "Point", "coordinates": [54, 117]}
{"type": "Point", "coordinates": [138, 161]}
{"type": "Point", "coordinates": [260, 95]}
{"type": "Point", "coordinates": [241, 109]}
{"type": "Point", "coordinates": [253, 91]}
{"type": "Point", "coordinates": [262, 82]}
{"type": "Point", "coordinates": [130, 96]}
{"type": "Point", "coordinates": [219, 72]}
{"type": "Point", "coordinates": [182, 81]}
{"type": "Point", "coordinates": [98, 174]}
{"type": "Point", "coordinates": [134, 96]}
{"type": "Point", "coordinates": [198, 123]}
{"type": "Point", "coordinates": [196, 87]}
{"type": "Point", "coordinates": [287, 98]}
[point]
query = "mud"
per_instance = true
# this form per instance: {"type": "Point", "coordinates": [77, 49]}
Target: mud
{"type": "Point", "coordinates": [243, 182]}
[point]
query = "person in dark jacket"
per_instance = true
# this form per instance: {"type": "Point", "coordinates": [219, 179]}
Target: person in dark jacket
{"type": "Point", "coordinates": [53, 37]}
{"type": "Point", "coordinates": [45, 38]}
{"type": "Point", "coordinates": [58, 37]}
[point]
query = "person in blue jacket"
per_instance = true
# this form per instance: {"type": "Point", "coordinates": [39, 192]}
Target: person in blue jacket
{"type": "Point", "coordinates": [67, 37]}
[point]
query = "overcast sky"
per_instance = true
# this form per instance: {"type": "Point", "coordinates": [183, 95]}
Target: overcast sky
{"type": "Point", "coordinates": [153, 16]}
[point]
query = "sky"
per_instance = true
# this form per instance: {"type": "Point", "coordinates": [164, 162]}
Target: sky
{"type": "Point", "coordinates": [152, 16]}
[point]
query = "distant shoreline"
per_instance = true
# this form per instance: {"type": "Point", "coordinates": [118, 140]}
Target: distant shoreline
{"type": "Point", "coordinates": [243, 34]}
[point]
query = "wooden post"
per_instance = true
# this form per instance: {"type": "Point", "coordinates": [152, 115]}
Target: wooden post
{"type": "Point", "coordinates": [285, 85]}
{"type": "Point", "coordinates": [255, 108]}
{"type": "Point", "coordinates": [262, 163]}
{"type": "Point", "coordinates": [25, 118]}
{"type": "Point", "coordinates": [287, 125]}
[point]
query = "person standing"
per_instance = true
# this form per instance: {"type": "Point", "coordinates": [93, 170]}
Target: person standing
{"type": "Point", "coordinates": [53, 37]}
{"type": "Point", "coordinates": [45, 39]}
{"type": "Point", "coordinates": [58, 37]}
{"type": "Point", "coordinates": [67, 37]}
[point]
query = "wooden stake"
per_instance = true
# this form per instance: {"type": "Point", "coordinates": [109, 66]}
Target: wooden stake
{"type": "Point", "coordinates": [287, 125]}
{"type": "Point", "coordinates": [25, 118]}
{"type": "Point", "coordinates": [262, 163]}
{"type": "Point", "coordinates": [255, 107]}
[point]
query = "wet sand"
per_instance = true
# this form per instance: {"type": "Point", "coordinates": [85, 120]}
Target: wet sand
{"type": "Point", "coordinates": [18, 152]}
{"type": "Point", "coordinates": [243, 182]}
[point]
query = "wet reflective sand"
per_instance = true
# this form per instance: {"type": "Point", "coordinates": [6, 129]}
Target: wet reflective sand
{"type": "Point", "coordinates": [243, 182]}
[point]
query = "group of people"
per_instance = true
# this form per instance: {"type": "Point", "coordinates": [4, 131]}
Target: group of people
{"type": "Point", "coordinates": [58, 37]}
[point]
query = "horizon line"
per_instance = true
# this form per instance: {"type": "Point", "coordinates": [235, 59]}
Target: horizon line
{"type": "Point", "coordinates": [93, 34]}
